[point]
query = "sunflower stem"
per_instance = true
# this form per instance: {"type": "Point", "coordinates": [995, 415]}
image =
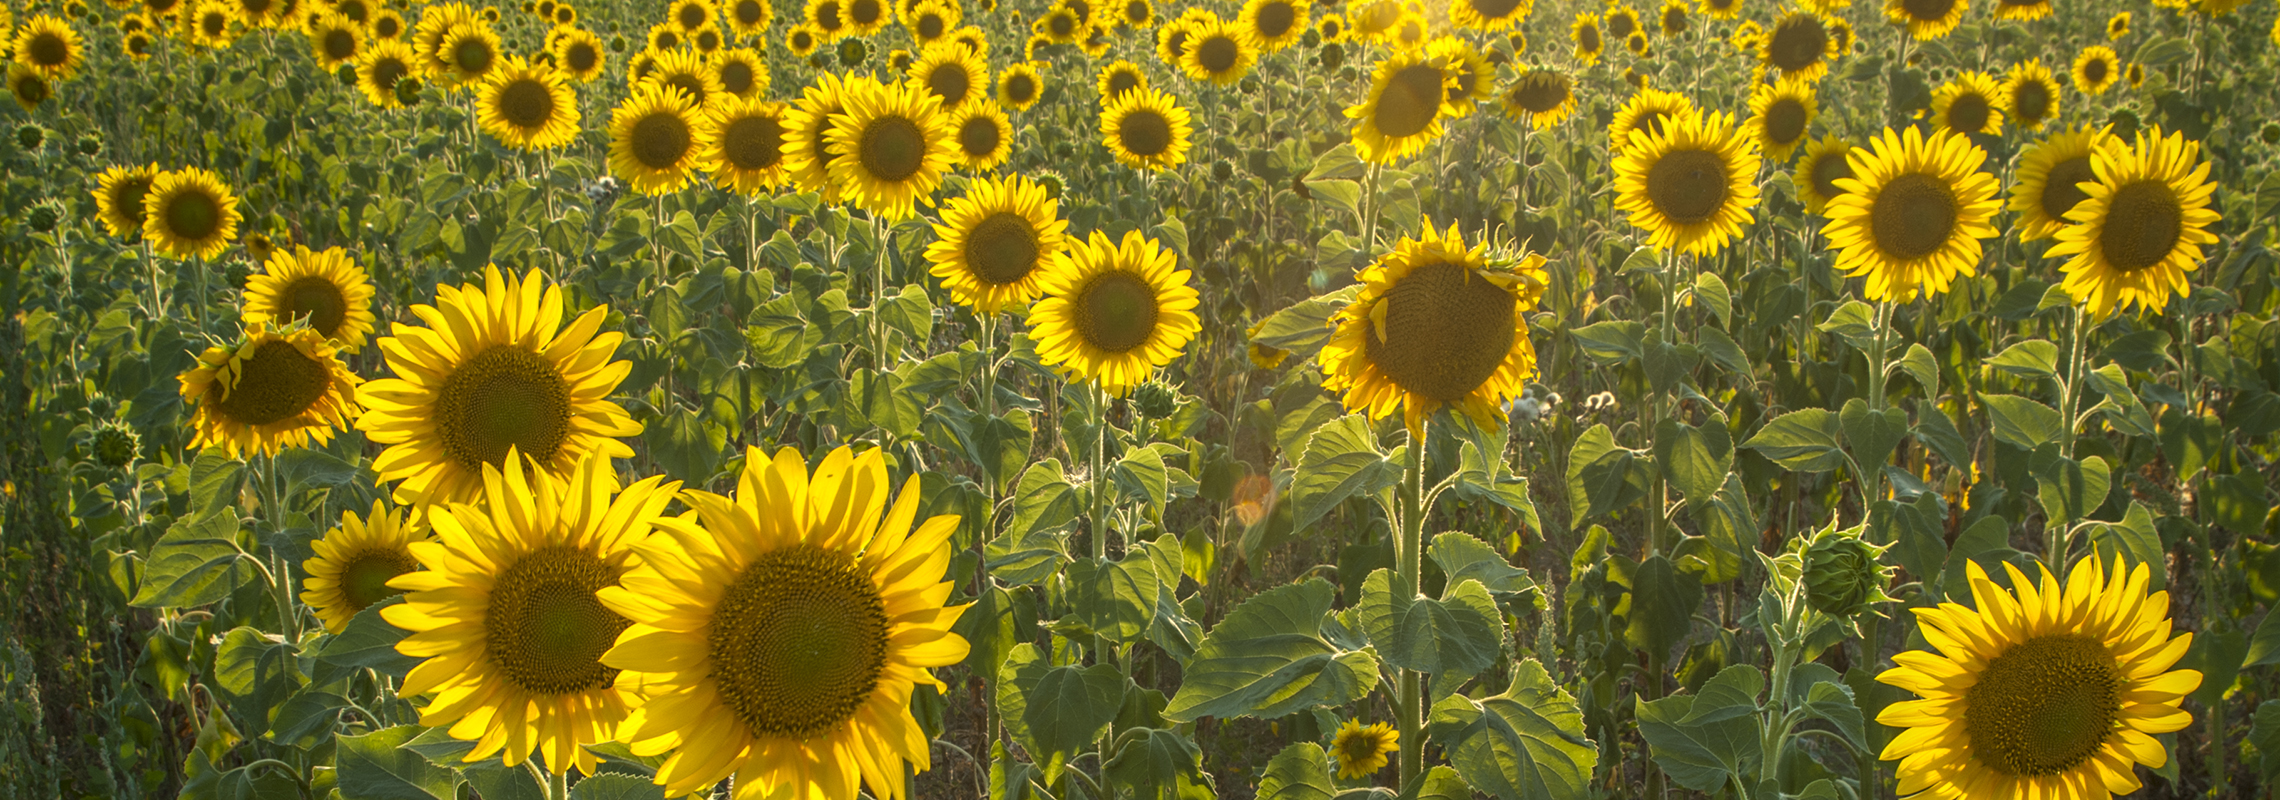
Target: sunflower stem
{"type": "Point", "coordinates": [1409, 710]}
{"type": "Point", "coordinates": [2069, 396]}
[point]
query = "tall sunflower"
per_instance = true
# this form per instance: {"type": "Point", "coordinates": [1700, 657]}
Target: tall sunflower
{"type": "Point", "coordinates": [2031, 94]}
{"type": "Point", "coordinates": [1114, 312]}
{"type": "Point", "coordinates": [741, 72]}
{"type": "Point", "coordinates": [1912, 214]}
{"type": "Point", "coordinates": [189, 213]}
{"type": "Point", "coordinates": [828, 18]}
{"type": "Point", "coordinates": [1490, 16]}
{"type": "Point", "coordinates": [324, 289]}
{"type": "Point", "coordinates": [354, 562]}
{"type": "Point", "coordinates": [380, 67]}
{"type": "Point", "coordinates": [951, 74]}
{"type": "Point", "coordinates": [778, 633]}
{"type": "Point", "coordinates": [505, 615]}
{"type": "Point", "coordinates": [335, 39]}
{"type": "Point", "coordinates": [1781, 114]}
{"type": "Point", "coordinates": [746, 145]}
{"type": "Point", "coordinates": [2096, 69]}
{"type": "Point", "coordinates": [1543, 95]}
{"type": "Point", "coordinates": [1146, 129]}
{"type": "Point", "coordinates": [1970, 103]}
{"type": "Point", "coordinates": [119, 198]}
{"type": "Point", "coordinates": [1646, 110]}
{"type": "Point", "coordinates": [807, 153]}
{"type": "Point", "coordinates": [655, 143]}
{"type": "Point", "coordinates": [51, 47]}
{"type": "Point", "coordinates": [2051, 691]}
{"type": "Point", "coordinates": [494, 371]}
{"type": "Point", "coordinates": [1436, 324]}
{"type": "Point", "coordinates": [995, 243]}
{"type": "Point", "coordinates": [1691, 184]}
{"type": "Point", "coordinates": [983, 135]}
{"type": "Point", "coordinates": [2141, 227]}
{"type": "Point", "coordinates": [1220, 53]}
{"type": "Point", "coordinates": [527, 107]}
{"type": "Point", "coordinates": [1408, 94]}
{"type": "Point", "coordinates": [272, 389]}
{"type": "Point", "coordinates": [890, 149]}
{"type": "Point", "coordinates": [1589, 40]}
{"type": "Point", "coordinates": [1272, 25]}
{"type": "Point", "coordinates": [1926, 19]}
{"type": "Point", "coordinates": [1119, 78]}
{"type": "Point", "coordinates": [1799, 45]}
{"type": "Point", "coordinates": [579, 54]}
{"type": "Point", "coordinates": [1018, 86]}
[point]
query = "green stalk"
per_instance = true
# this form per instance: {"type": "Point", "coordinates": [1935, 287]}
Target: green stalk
{"type": "Point", "coordinates": [2069, 396]}
{"type": "Point", "coordinates": [1409, 705]}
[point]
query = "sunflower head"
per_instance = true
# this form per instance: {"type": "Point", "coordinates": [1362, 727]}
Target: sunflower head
{"type": "Point", "coordinates": [272, 389]}
{"type": "Point", "coordinates": [747, 139]}
{"type": "Point", "coordinates": [1799, 45]}
{"type": "Point", "coordinates": [467, 54]}
{"type": "Point", "coordinates": [1690, 184]}
{"type": "Point", "coordinates": [951, 73]}
{"type": "Point", "coordinates": [1118, 78]}
{"type": "Point", "coordinates": [335, 39]}
{"type": "Point", "coordinates": [1543, 95]}
{"type": "Point", "coordinates": [355, 561]}
{"type": "Point", "coordinates": [1911, 216]}
{"type": "Point", "coordinates": [1220, 53]}
{"type": "Point", "coordinates": [1781, 114]}
{"type": "Point", "coordinates": [1272, 25]}
{"type": "Point", "coordinates": [1361, 750]}
{"type": "Point", "coordinates": [1926, 19]}
{"type": "Point", "coordinates": [1826, 160]}
{"type": "Point", "coordinates": [2141, 226]}
{"type": "Point", "coordinates": [1405, 108]}
{"type": "Point", "coordinates": [526, 106]}
{"type": "Point", "coordinates": [1971, 103]}
{"type": "Point", "coordinates": [655, 142]}
{"type": "Point", "coordinates": [2048, 181]}
{"type": "Point", "coordinates": [1647, 109]}
{"type": "Point", "coordinates": [1590, 40]}
{"type": "Point", "coordinates": [685, 71]}
{"type": "Point", "coordinates": [324, 290]}
{"type": "Point", "coordinates": [1146, 129]}
{"type": "Point", "coordinates": [2031, 94]}
{"type": "Point", "coordinates": [28, 87]}
{"type": "Point", "coordinates": [983, 135]}
{"type": "Point", "coordinates": [579, 54]}
{"type": "Point", "coordinates": [383, 65]}
{"type": "Point", "coordinates": [189, 213]}
{"type": "Point", "coordinates": [2096, 70]}
{"type": "Point", "coordinates": [1114, 312]}
{"type": "Point", "coordinates": [995, 244]}
{"type": "Point", "coordinates": [890, 149]}
{"type": "Point", "coordinates": [49, 46]}
{"type": "Point", "coordinates": [1019, 86]}
{"type": "Point", "coordinates": [740, 71]}
{"type": "Point", "coordinates": [749, 17]}
{"type": "Point", "coordinates": [119, 195]}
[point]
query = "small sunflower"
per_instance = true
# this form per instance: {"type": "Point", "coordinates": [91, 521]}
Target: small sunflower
{"type": "Point", "coordinates": [1331, 27]}
{"type": "Point", "coordinates": [578, 53]}
{"type": "Point", "coordinates": [2022, 10]}
{"type": "Point", "coordinates": [2134, 74]}
{"type": "Point", "coordinates": [436, 22]}
{"type": "Point", "coordinates": [1637, 44]}
{"type": "Point", "coordinates": [1146, 129]}
{"type": "Point", "coordinates": [1590, 42]}
{"type": "Point", "coordinates": [1675, 18]}
{"type": "Point", "coordinates": [273, 389]}
{"type": "Point", "coordinates": [2031, 93]}
{"type": "Point", "coordinates": [866, 17]}
{"type": "Point", "coordinates": [994, 245]}
{"type": "Point", "coordinates": [807, 153]}
{"type": "Point", "coordinates": [1621, 20]}
{"type": "Point", "coordinates": [1114, 312]}
{"type": "Point", "coordinates": [1136, 14]}
{"type": "Point", "coordinates": [746, 139]}
{"type": "Point", "coordinates": [1373, 19]}
{"type": "Point", "coordinates": [741, 72]}
{"type": "Point", "coordinates": [355, 561]}
{"type": "Point", "coordinates": [983, 135]}
{"type": "Point", "coordinates": [527, 107]}
{"type": "Point", "coordinates": [802, 40]}
{"type": "Point", "coordinates": [1840, 36]}
{"type": "Point", "coordinates": [119, 198]}
{"type": "Point", "coordinates": [28, 87]}
{"type": "Point", "coordinates": [1271, 25]}
{"type": "Point", "coordinates": [1060, 26]}
{"type": "Point", "coordinates": [1436, 324]}
{"type": "Point", "coordinates": [1470, 75]}
{"type": "Point", "coordinates": [1019, 86]}
{"type": "Point", "coordinates": [890, 148]}
{"type": "Point", "coordinates": [689, 15]}
{"type": "Point", "coordinates": [1926, 19]}
{"type": "Point", "coordinates": [1362, 751]}
{"type": "Point", "coordinates": [494, 372]}
{"type": "Point", "coordinates": [2051, 691]}
{"type": "Point", "coordinates": [1817, 174]}
{"type": "Point", "coordinates": [973, 39]}
{"type": "Point", "coordinates": [2142, 226]}
{"type": "Point", "coordinates": [1120, 78]}
{"type": "Point", "coordinates": [1219, 53]}
{"type": "Point", "coordinates": [380, 67]}
{"type": "Point", "coordinates": [1781, 114]}
{"type": "Point", "coordinates": [1748, 37]}
{"type": "Point", "coordinates": [1408, 93]}
{"type": "Point", "coordinates": [2096, 69]}
{"type": "Point", "coordinates": [1911, 216]}
{"type": "Point", "coordinates": [335, 39]}
{"type": "Point", "coordinates": [190, 213]}
{"type": "Point", "coordinates": [778, 634]}
{"type": "Point", "coordinates": [1690, 184]}
{"type": "Point", "coordinates": [505, 616]}
{"type": "Point", "coordinates": [1490, 16]}
{"type": "Point", "coordinates": [386, 24]}
{"type": "Point", "coordinates": [1646, 110]}
{"type": "Point", "coordinates": [138, 45]}
{"type": "Point", "coordinates": [1799, 45]}
{"type": "Point", "coordinates": [1410, 32]}
{"type": "Point", "coordinates": [1543, 95]}
{"type": "Point", "coordinates": [951, 74]}
{"type": "Point", "coordinates": [323, 289]}
{"type": "Point", "coordinates": [686, 71]}
{"type": "Point", "coordinates": [211, 25]}
{"type": "Point", "coordinates": [749, 17]}
{"type": "Point", "coordinates": [1970, 103]}
{"type": "Point", "coordinates": [930, 21]}
{"type": "Point", "coordinates": [468, 54]}
{"type": "Point", "coordinates": [655, 143]}
{"type": "Point", "coordinates": [665, 36]}
{"type": "Point", "coordinates": [51, 47]}
{"type": "Point", "coordinates": [1173, 38]}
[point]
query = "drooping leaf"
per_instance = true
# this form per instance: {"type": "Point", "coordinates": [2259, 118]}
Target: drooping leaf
{"type": "Point", "coordinates": [197, 562]}
{"type": "Point", "coordinates": [376, 766]}
{"type": "Point", "coordinates": [1268, 658]}
{"type": "Point", "coordinates": [1527, 743]}
{"type": "Point", "coordinates": [1459, 635]}
{"type": "Point", "coordinates": [1341, 460]}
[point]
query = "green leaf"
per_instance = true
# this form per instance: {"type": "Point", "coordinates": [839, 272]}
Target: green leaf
{"type": "Point", "coordinates": [1044, 499]}
{"type": "Point", "coordinates": [1612, 342]}
{"type": "Point", "coordinates": [1602, 477]}
{"type": "Point", "coordinates": [1872, 434]}
{"type": "Point", "coordinates": [1695, 460]}
{"type": "Point", "coordinates": [1732, 693]}
{"type": "Point", "coordinates": [1921, 366]}
{"type": "Point", "coordinates": [2135, 537]}
{"type": "Point", "coordinates": [1459, 635]}
{"type": "Point", "coordinates": [2033, 358]}
{"type": "Point", "coordinates": [910, 314]}
{"type": "Point", "coordinates": [1342, 460]}
{"type": "Point", "coordinates": [1141, 472]}
{"type": "Point", "coordinates": [214, 480]}
{"type": "Point", "coordinates": [1157, 764]}
{"type": "Point", "coordinates": [2240, 502]}
{"type": "Point", "coordinates": [1804, 440]}
{"type": "Point", "coordinates": [1854, 322]}
{"type": "Point", "coordinates": [1305, 327]}
{"type": "Point", "coordinates": [2265, 734]}
{"type": "Point", "coordinates": [1009, 777]}
{"type": "Point", "coordinates": [2144, 351]}
{"type": "Point", "coordinates": [369, 642]}
{"type": "Point", "coordinates": [1462, 557]}
{"type": "Point", "coordinates": [306, 720]}
{"type": "Point", "coordinates": [1729, 529]}
{"type": "Point", "coordinates": [2217, 655]}
{"type": "Point", "coordinates": [1344, 193]}
{"type": "Point", "coordinates": [2162, 51]}
{"type": "Point", "coordinates": [2021, 422]}
{"type": "Point", "coordinates": [1712, 290]}
{"type": "Point", "coordinates": [1705, 756]}
{"type": "Point", "coordinates": [1833, 701]}
{"type": "Point", "coordinates": [1115, 599]}
{"type": "Point", "coordinates": [1524, 744]}
{"type": "Point", "coordinates": [1023, 669]}
{"type": "Point", "coordinates": [2069, 490]}
{"type": "Point", "coordinates": [1663, 602]}
{"type": "Point", "coordinates": [686, 446]}
{"type": "Point", "coordinates": [683, 236]}
{"type": "Point", "coordinates": [1438, 783]}
{"type": "Point", "coordinates": [376, 766]}
{"type": "Point", "coordinates": [1936, 431]}
{"type": "Point", "coordinates": [2190, 441]}
{"type": "Point", "coordinates": [306, 468]}
{"type": "Point", "coordinates": [197, 562]}
{"type": "Point", "coordinates": [1300, 772]}
{"type": "Point", "coordinates": [1268, 658]}
{"type": "Point", "coordinates": [988, 628]}
{"type": "Point", "coordinates": [1070, 706]}
{"type": "Point", "coordinates": [251, 670]}
{"type": "Point", "coordinates": [2264, 646]}
{"type": "Point", "coordinates": [609, 786]}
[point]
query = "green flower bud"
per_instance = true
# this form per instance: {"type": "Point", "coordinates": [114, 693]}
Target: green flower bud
{"type": "Point", "coordinates": [1842, 574]}
{"type": "Point", "coordinates": [1155, 400]}
{"type": "Point", "coordinates": [30, 136]}
{"type": "Point", "coordinates": [116, 445]}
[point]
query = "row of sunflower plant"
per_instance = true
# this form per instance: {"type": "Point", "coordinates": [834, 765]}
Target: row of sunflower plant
{"type": "Point", "coordinates": [533, 442]}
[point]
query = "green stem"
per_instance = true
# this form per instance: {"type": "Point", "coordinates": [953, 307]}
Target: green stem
{"type": "Point", "coordinates": [1409, 711]}
{"type": "Point", "coordinates": [2069, 396]}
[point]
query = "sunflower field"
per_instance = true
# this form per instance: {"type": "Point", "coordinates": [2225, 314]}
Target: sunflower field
{"type": "Point", "coordinates": [1145, 399]}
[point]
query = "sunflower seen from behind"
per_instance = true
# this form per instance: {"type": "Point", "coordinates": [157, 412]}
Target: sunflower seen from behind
{"type": "Point", "coordinates": [2141, 227]}
{"type": "Point", "coordinates": [655, 143]}
{"type": "Point", "coordinates": [1690, 184]}
{"type": "Point", "coordinates": [1218, 52]}
{"type": "Point", "coordinates": [778, 632]}
{"type": "Point", "coordinates": [505, 618]}
{"type": "Point", "coordinates": [2047, 183]}
{"type": "Point", "coordinates": [2096, 70]}
{"type": "Point", "coordinates": [1361, 750]}
{"type": "Point", "coordinates": [354, 562]}
{"type": "Point", "coordinates": [1972, 102]}
{"type": "Point", "coordinates": [493, 371]}
{"type": "Point", "coordinates": [995, 243]}
{"type": "Point", "coordinates": [1114, 311]}
{"type": "Point", "coordinates": [1408, 93]}
{"type": "Point", "coordinates": [271, 389]}
{"type": "Point", "coordinates": [746, 138]}
{"type": "Point", "coordinates": [189, 213]}
{"type": "Point", "coordinates": [1926, 19]}
{"type": "Point", "coordinates": [983, 135]}
{"type": "Point", "coordinates": [1146, 129]}
{"type": "Point", "coordinates": [1911, 216]}
{"type": "Point", "coordinates": [2040, 690]}
{"type": "Point", "coordinates": [119, 195]}
{"type": "Point", "coordinates": [322, 289]}
{"type": "Point", "coordinates": [1542, 95]}
{"type": "Point", "coordinates": [1781, 114]}
{"type": "Point", "coordinates": [889, 149]}
{"type": "Point", "coordinates": [51, 47]}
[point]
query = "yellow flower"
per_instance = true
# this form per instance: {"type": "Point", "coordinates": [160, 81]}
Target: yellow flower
{"type": "Point", "coordinates": [1361, 752]}
{"type": "Point", "coordinates": [2047, 183]}
{"type": "Point", "coordinates": [1926, 19]}
{"type": "Point", "coordinates": [749, 17]}
{"type": "Point", "coordinates": [686, 71]}
{"type": "Point", "coordinates": [1911, 216]}
{"type": "Point", "coordinates": [527, 107]}
{"type": "Point", "coordinates": [655, 142]}
{"type": "Point", "coordinates": [1690, 184]}
{"type": "Point", "coordinates": [745, 145]}
{"type": "Point", "coordinates": [119, 198]}
{"type": "Point", "coordinates": [335, 39]}
{"type": "Point", "coordinates": [1272, 25]}
{"type": "Point", "coordinates": [189, 213]}
{"type": "Point", "coordinates": [2031, 94]}
{"type": "Point", "coordinates": [1470, 74]}
{"type": "Point", "coordinates": [807, 154]}
{"type": "Point", "coordinates": [272, 390]}
{"type": "Point", "coordinates": [983, 135]}
{"type": "Point", "coordinates": [741, 72]}
{"type": "Point", "coordinates": [1118, 78]}
{"type": "Point", "coordinates": [2118, 26]}
{"type": "Point", "coordinates": [1146, 129]}
{"type": "Point", "coordinates": [2141, 227]}
{"type": "Point", "coordinates": [889, 149]}
{"type": "Point", "coordinates": [1589, 40]}
{"type": "Point", "coordinates": [1114, 312]}
{"type": "Point", "coordinates": [1816, 176]}
{"type": "Point", "coordinates": [1971, 103]}
{"type": "Point", "coordinates": [1781, 114]}
{"type": "Point", "coordinates": [950, 73]}
{"type": "Point", "coordinates": [1543, 95]}
{"type": "Point", "coordinates": [324, 289]}
{"type": "Point", "coordinates": [1490, 16]}
{"type": "Point", "coordinates": [355, 561]}
{"type": "Point", "coordinates": [468, 53]}
{"type": "Point", "coordinates": [2022, 10]}
{"type": "Point", "coordinates": [995, 244]}
{"type": "Point", "coordinates": [1799, 45]}
{"type": "Point", "coordinates": [1408, 94]}
{"type": "Point", "coordinates": [380, 67]}
{"type": "Point", "coordinates": [1646, 110]}
{"type": "Point", "coordinates": [1018, 86]}
{"type": "Point", "coordinates": [50, 47]}
{"type": "Point", "coordinates": [2096, 69]}
{"type": "Point", "coordinates": [1218, 52]}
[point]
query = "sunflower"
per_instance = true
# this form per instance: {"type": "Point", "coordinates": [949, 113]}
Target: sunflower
{"type": "Point", "coordinates": [807, 155]}
{"type": "Point", "coordinates": [1912, 214]}
{"type": "Point", "coordinates": [2022, 10]}
{"type": "Point", "coordinates": [1146, 129]}
{"type": "Point", "coordinates": [1409, 32]}
{"type": "Point", "coordinates": [1373, 18]}
{"type": "Point", "coordinates": [802, 40]}
{"type": "Point", "coordinates": [778, 633]}
{"type": "Point", "coordinates": [1799, 45]}
{"type": "Point", "coordinates": [2031, 94]}
{"type": "Point", "coordinates": [495, 372]}
{"type": "Point", "coordinates": [1647, 110]}
{"type": "Point", "coordinates": [983, 134]}
{"type": "Point", "coordinates": [1114, 312]}
{"type": "Point", "coordinates": [380, 67]}
{"type": "Point", "coordinates": [2055, 692]}
{"type": "Point", "coordinates": [655, 143]}
{"type": "Point", "coordinates": [973, 39]}
{"type": "Point", "coordinates": [324, 289]}
{"type": "Point", "coordinates": [2141, 227]}
{"type": "Point", "coordinates": [1690, 183]}
{"type": "Point", "coordinates": [1781, 114]}
{"type": "Point", "coordinates": [1271, 25]}
{"type": "Point", "coordinates": [1926, 19]}
{"type": "Point", "coordinates": [1621, 20]}
{"type": "Point", "coordinates": [1674, 18]}
{"type": "Point", "coordinates": [1722, 9]}
{"type": "Point", "coordinates": [467, 55]}
{"type": "Point", "coordinates": [386, 24]}
{"type": "Point", "coordinates": [2134, 74]}
{"type": "Point", "coordinates": [745, 144]}
{"type": "Point", "coordinates": [890, 149]}
{"type": "Point", "coordinates": [436, 22]}
{"type": "Point", "coordinates": [1490, 16]}
{"type": "Point", "coordinates": [690, 15]}
{"type": "Point", "coordinates": [1747, 37]}
{"type": "Point", "coordinates": [1361, 751]}
{"type": "Point", "coordinates": [707, 40]}
{"type": "Point", "coordinates": [211, 25]}
{"type": "Point", "coordinates": [827, 18]}
{"type": "Point", "coordinates": [159, 10]}
{"type": "Point", "coordinates": [866, 17]}
{"type": "Point", "coordinates": [995, 244]}
{"type": "Point", "coordinates": [1816, 176]}
{"type": "Point", "coordinates": [138, 45]}
{"type": "Point", "coordinates": [189, 213]}
{"type": "Point", "coordinates": [749, 17]}
{"type": "Point", "coordinates": [28, 87]}
{"type": "Point", "coordinates": [505, 616]}
{"type": "Point", "coordinates": [355, 561]}
{"type": "Point", "coordinates": [2096, 70]}
{"type": "Point", "coordinates": [664, 36]}
{"type": "Point", "coordinates": [335, 39]}
{"type": "Point", "coordinates": [1218, 52]}
{"type": "Point", "coordinates": [1173, 38]}
{"type": "Point", "coordinates": [51, 47]}
{"type": "Point", "coordinates": [1971, 103]}
{"type": "Point", "coordinates": [1018, 86]}
{"type": "Point", "coordinates": [578, 53]}
{"type": "Point", "coordinates": [1589, 42]}
{"type": "Point", "coordinates": [1637, 44]}
{"type": "Point", "coordinates": [565, 15]}
{"type": "Point", "coordinates": [1331, 26]}
{"type": "Point", "coordinates": [685, 71]}
{"type": "Point", "coordinates": [950, 74]}
{"type": "Point", "coordinates": [527, 107]}
{"type": "Point", "coordinates": [1059, 26]}
{"type": "Point", "coordinates": [1404, 108]}
{"type": "Point", "coordinates": [1469, 75]}
{"type": "Point", "coordinates": [1136, 13]}
{"type": "Point", "coordinates": [257, 13]}
{"type": "Point", "coordinates": [931, 20]}
{"type": "Point", "coordinates": [1543, 95]}
{"type": "Point", "coordinates": [1120, 78]}
{"type": "Point", "coordinates": [119, 198]}
{"type": "Point", "coordinates": [274, 389]}
{"type": "Point", "coordinates": [1435, 324]}
{"type": "Point", "coordinates": [741, 72]}
{"type": "Point", "coordinates": [356, 11]}
{"type": "Point", "coordinates": [2047, 184]}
